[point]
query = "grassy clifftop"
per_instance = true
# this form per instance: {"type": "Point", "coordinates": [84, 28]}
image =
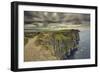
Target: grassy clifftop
{"type": "Point", "coordinates": [40, 46]}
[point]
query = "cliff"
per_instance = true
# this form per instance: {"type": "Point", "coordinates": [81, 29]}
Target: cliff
{"type": "Point", "coordinates": [40, 46]}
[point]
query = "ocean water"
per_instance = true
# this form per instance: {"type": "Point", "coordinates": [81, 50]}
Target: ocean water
{"type": "Point", "coordinates": [83, 52]}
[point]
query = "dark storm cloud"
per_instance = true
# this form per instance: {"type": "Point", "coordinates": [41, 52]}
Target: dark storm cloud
{"type": "Point", "coordinates": [74, 18]}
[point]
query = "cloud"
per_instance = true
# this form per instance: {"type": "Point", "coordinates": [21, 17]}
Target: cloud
{"type": "Point", "coordinates": [73, 18]}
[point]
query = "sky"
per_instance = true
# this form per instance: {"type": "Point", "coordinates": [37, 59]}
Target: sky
{"type": "Point", "coordinates": [55, 17]}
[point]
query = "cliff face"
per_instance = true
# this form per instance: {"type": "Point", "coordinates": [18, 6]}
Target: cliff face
{"type": "Point", "coordinates": [41, 46]}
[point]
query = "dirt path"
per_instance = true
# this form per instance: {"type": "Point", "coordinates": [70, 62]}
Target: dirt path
{"type": "Point", "coordinates": [32, 52]}
{"type": "Point", "coordinates": [31, 49]}
{"type": "Point", "coordinates": [31, 42]}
